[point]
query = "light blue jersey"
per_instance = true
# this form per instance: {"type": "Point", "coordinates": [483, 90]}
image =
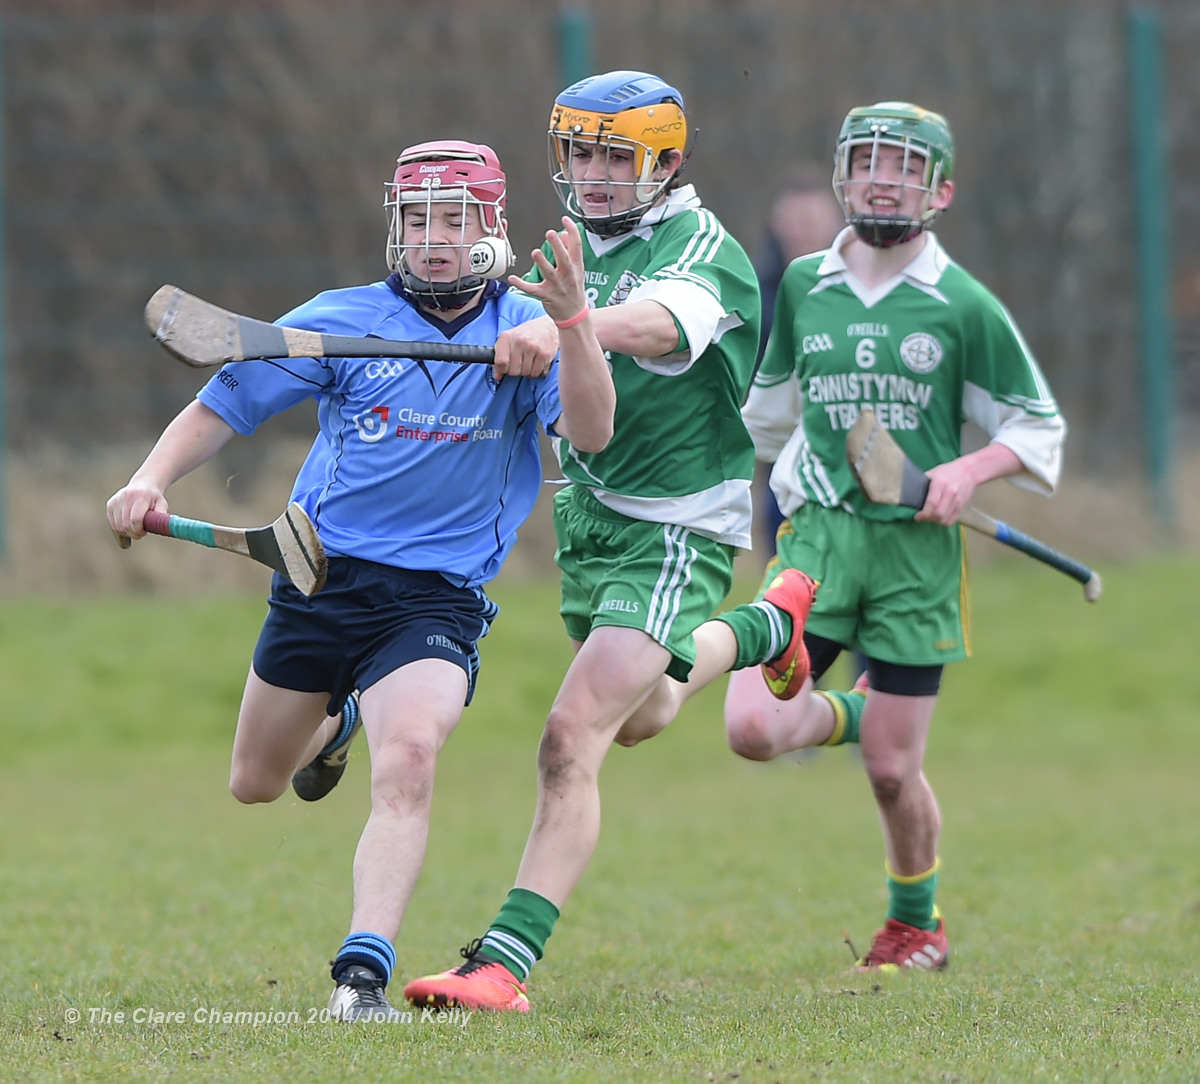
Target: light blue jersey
{"type": "Point", "coordinates": [418, 464]}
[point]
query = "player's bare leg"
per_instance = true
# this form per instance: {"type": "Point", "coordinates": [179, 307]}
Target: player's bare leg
{"type": "Point", "coordinates": [759, 726]}
{"type": "Point", "coordinates": [613, 672]}
{"type": "Point", "coordinates": [407, 717]}
{"type": "Point", "coordinates": [716, 652]}
{"type": "Point", "coordinates": [892, 735]}
{"type": "Point", "coordinates": [893, 732]}
{"type": "Point", "coordinates": [275, 729]}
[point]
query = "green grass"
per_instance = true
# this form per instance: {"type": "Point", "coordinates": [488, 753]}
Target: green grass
{"type": "Point", "coordinates": [705, 941]}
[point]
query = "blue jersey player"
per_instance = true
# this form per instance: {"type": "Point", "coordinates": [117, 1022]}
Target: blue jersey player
{"type": "Point", "coordinates": [417, 482]}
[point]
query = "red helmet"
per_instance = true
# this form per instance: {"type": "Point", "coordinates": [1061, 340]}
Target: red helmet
{"type": "Point", "coordinates": [450, 171]}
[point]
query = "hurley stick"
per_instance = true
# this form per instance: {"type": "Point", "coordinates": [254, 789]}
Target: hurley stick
{"type": "Point", "coordinates": [888, 476]}
{"type": "Point", "coordinates": [201, 335]}
{"type": "Point", "coordinates": [289, 545]}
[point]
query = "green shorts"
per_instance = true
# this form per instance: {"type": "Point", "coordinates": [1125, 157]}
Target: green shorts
{"type": "Point", "coordinates": [897, 590]}
{"type": "Point", "coordinates": [662, 579]}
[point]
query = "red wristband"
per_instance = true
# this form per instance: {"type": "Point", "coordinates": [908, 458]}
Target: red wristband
{"type": "Point", "coordinates": [564, 324]}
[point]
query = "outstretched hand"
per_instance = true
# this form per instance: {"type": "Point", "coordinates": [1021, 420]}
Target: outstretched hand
{"type": "Point", "coordinates": [561, 290]}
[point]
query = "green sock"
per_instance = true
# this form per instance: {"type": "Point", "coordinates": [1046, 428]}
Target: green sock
{"type": "Point", "coordinates": [911, 898]}
{"type": "Point", "coordinates": [847, 711]}
{"type": "Point", "coordinates": [518, 936]}
{"type": "Point", "coordinates": [762, 631]}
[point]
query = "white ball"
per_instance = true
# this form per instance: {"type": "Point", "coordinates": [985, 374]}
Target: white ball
{"type": "Point", "coordinates": [490, 257]}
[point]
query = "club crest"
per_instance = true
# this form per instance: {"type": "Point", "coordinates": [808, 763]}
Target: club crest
{"type": "Point", "coordinates": [623, 288]}
{"type": "Point", "coordinates": [921, 352]}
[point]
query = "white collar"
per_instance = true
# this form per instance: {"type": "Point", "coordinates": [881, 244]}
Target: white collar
{"type": "Point", "coordinates": [677, 202]}
{"type": "Point", "coordinates": [925, 269]}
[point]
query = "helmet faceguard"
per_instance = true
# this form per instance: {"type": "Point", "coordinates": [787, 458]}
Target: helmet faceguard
{"type": "Point", "coordinates": [630, 110]}
{"type": "Point", "coordinates": [918, 133]}
{"type": "Point", "coordinates": [455, 172]}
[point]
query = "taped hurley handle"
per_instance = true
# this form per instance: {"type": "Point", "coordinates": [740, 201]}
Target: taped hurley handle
{"type": "Point", "coordinates": [1019, 540]}
{"type": "Point", "coordinates": [887, 476]}
{"type": "Point", "coordinates": [289, 546]}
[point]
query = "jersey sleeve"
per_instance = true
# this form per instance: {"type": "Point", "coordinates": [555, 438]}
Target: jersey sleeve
{"type": "Point", "coordinates": [517, 309]}
{"type": "Point", "coordinates": [247, 393]}
{"type": "Point", "coordinates": [1007, 396]}
{"type": "Point", "coordinates": [773, 408]}
{"type": "Point", "coordinates": [708, 286]}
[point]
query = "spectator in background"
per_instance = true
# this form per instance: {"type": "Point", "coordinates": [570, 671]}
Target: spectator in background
{"type": "Point", "coordinates": [804, 218]}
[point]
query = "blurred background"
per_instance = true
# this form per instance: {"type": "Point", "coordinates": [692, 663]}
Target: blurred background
{"type": "Point", "coordinates": [239, 150]}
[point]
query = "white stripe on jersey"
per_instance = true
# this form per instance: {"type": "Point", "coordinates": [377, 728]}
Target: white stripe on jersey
{"type": "Point", "coordinates": [1037, 407]}
{"type": "Point", "coordinates": [703, 246]}
{"type": "Point", "coordinates": [673, 579]}
{"type": "Point", "coordinates": [704, 242]}
{"type": "Point", "coordinates": [1045, 403]}
{"type": "Point", "coordinates": [815, 478]}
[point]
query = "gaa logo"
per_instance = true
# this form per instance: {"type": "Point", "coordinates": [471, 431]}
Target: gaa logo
{"type": "Point", "coordinates": [381, 368]}
{"type": "Point", "coordinates": [921, 353]}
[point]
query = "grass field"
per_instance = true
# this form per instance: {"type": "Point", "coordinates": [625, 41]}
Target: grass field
{"type": "Point", "coordinates": [706, 940]}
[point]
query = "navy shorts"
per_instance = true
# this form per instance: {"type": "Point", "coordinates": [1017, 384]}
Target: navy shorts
{"type": "Point", "coordinates": [368, 620]}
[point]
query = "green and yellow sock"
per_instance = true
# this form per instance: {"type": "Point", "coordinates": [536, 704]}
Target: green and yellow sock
{"type": "Point", "coordinates": [517, 938]}
{"type": "Point", "coordinates": [910, 899]}
{"type": "Point", "coordinates": [847, 711]}
{"type": "Point", "coordinates": [762, 631]}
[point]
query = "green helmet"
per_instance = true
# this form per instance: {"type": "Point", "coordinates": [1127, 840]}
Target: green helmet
{"type": "Point", "coordinates": [916, 131]}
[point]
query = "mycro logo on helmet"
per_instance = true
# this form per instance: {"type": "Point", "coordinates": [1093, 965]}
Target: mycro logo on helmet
{"type": "Point", "coordinates": [670, 126]}
{"type": "Point", "coordinates": [568, 118]}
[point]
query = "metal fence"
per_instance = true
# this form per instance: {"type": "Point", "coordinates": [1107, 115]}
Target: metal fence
{"type": "Point", "coordinates": [240, 151]}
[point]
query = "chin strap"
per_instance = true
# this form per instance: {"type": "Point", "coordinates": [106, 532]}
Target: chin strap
{"type": "Point", "coordinates": [884, 232]}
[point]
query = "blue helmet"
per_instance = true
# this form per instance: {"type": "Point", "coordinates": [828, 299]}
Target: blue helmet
{"type": "Point", "coordinates": [614, 92]}
{"type": "Point", "coordinates": [633, 110]}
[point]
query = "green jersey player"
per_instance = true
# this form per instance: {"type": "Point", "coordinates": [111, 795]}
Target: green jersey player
{"type": "Point", "coordinates": [886, 319]}
{"type": "Point", "coordinates": [648, 527]}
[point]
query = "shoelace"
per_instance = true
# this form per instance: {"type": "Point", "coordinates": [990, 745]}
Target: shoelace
{"type": "Point", "coordinates": [368, 989]}
{"type": "Point", "coordinates": [889, 944]}
{"type": "Point", "coordinates": [474, 958]}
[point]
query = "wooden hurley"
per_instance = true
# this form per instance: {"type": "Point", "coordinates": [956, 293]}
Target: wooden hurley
{"type": "Point", "coordinates": [888, 476]}
{"type": "Point", "coordinates": [289, 545]}
{"type": "Point", "coordinates": [202, 335]}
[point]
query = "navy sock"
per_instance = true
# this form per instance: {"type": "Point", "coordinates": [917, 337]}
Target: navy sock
{"type": "Point", "coordinates": [365, 949]}
{"type": "Point", "coordinates": [346, 730]}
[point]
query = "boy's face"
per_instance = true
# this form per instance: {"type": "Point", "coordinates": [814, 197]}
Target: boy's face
{"type": "Point", "coordinates": [886, 180]}
{"type": "Point", "coordinates": [603, 176]}
{"type": "Point", "coordinates": [436, 237]}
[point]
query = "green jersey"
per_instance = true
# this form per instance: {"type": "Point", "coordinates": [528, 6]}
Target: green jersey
{"type": "Point", "coordinates": [927, 350]}
{"type": "Point", "coordinates": [680, 452]}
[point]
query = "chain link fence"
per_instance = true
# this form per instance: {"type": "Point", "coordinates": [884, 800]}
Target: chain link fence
{"type": "Point", "coordinates": [240, 151]}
